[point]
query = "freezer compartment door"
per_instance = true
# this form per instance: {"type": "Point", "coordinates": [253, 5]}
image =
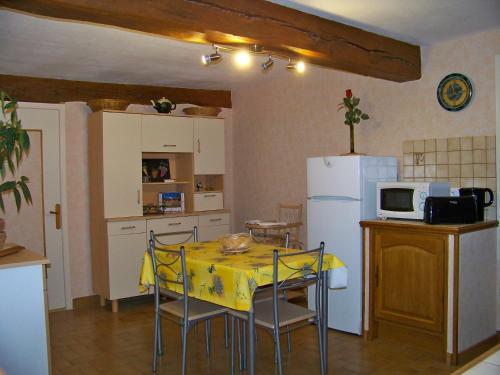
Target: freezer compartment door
{"type": "Point", "coordinates": [334, 176]}
{"type": "Point", "coordinates": [336, 222]}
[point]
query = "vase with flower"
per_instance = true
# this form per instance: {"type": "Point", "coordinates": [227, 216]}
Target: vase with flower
{"type": "Point", "coordinates": [353, 115]}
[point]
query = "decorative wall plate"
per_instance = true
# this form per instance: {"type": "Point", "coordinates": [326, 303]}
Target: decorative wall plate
{"type": "Point", "coordinates": [454, 92]}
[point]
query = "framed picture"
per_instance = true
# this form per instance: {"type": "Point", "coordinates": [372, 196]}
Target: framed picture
{"type": "Point", "coordinates": [155, 170]}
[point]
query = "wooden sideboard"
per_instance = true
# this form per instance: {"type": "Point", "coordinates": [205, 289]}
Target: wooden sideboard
{"type": "Point", "coordinates": [24, 323]}
{"type": "Point", "coordinates": [118, 142]}
{"type": "Point", "coordinates": [431, 283]}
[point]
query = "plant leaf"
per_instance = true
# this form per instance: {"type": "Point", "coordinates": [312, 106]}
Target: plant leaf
{"type": "Point", "coordinates": [364, 116]}
{"type": "Point", "coordinates": [17, 198]}
{"type": "Point", "coordinates": [25, 190]}
{"type": "Point", "coordinates": [2, 207]}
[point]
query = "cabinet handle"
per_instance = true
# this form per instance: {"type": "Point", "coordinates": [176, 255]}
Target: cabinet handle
{"type": "Point", "coordinates": [174, 223]}
{"type": "Point", "coordinates": [199, 146]}
{"type": "Point", "coordinates": [210, 195]}
{"type": "Point", "coordinates": [129, 227]}
{"type": "Point", "coordinates": [376, 276]}
{"type": "Point", "coordinates": [169, 145]}
{"type": "Point", "coordinates": [138, 196]}
{"type": "Point", "coordinates": [219, 219]}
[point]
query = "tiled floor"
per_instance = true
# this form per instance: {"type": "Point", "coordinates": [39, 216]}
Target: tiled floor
{"type": "Point", "coordinates": [488, 366]}
{"type": "Point", "coordinates": [92, 340]}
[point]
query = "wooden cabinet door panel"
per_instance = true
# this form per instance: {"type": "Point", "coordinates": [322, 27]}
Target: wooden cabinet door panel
{"type": "Point", "coordinates": [167, 134]}
{"type": "Point", "coordinates": [209, 146]}
{"type": "Point", "coordinates": [125, 261]}
{"type": "Point", "coordinates": [122, 163]}
{"type": "Point", "coordinates": [409, 278]}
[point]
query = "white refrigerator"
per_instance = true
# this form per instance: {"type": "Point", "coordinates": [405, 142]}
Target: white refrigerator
{"type": "Point", "coordinates": [341, 191]}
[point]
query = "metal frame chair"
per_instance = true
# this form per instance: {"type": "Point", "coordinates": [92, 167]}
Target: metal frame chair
{"type": "Point", "coordinates": [278, 315]}
{"type": "Point", "coordinates": [185, 311]}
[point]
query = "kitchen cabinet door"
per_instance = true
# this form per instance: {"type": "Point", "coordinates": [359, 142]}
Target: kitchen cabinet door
{"type": "Point", "coordinates": [212, 233]}
{"type": "Point", "coordinates": [122, 163]}
{"type": "Point", "coordinates": [208, 146]}
{"type": "Point", "coordinates": [409, 276]}
{"type": "Point", "coordinates": [125, 261]}
{"type": "Point", "coordinates": [167, 134]}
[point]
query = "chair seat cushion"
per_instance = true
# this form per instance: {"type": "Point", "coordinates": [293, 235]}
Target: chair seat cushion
{"type": "Point", "coordinates": [197, 309]}
{"type": "Point", "coordinates": [289, 313]}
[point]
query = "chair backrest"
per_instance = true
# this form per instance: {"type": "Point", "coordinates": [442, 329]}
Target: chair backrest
{"type": "Point", "coordinates": [297, 276]}
{"type": "Point", "coordinates": [290, 213]}
{"type": "Point", "coordinates": [169, 266]}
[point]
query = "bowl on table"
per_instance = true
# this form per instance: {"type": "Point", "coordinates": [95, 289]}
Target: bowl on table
{"type": "Point", "coordinates": [232, 244]}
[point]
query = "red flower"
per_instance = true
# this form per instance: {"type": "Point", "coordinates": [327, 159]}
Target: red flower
{"type": "Point", "coordinates": [348, 93]}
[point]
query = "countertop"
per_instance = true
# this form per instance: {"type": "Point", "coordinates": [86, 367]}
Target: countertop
{"type": "Point", "coordinates": [433, 228]}
{"type": "Point", "coordinates": [22, 258]}
{"type": "Point", "coordinates": [173, 214]}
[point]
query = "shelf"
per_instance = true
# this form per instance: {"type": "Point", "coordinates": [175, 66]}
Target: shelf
{"type": "Point", "coordinates": [166, 183]}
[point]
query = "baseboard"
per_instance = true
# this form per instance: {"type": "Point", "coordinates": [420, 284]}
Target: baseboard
{"type": "Point", "coordinates": [477, 349]}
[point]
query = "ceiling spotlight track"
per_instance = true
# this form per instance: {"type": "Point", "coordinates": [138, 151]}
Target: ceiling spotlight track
{"type": "Point", "coordinates": [242, 57]}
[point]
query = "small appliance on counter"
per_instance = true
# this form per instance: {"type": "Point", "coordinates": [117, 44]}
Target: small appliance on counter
{"type": "Point", "coordinates": [406, 200]}
{"type": "Point", "coordinates": [479, 194]}
{"type": "Point", "coordinates": [451, 210]}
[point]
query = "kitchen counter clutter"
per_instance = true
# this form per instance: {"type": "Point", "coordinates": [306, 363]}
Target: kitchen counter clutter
{"type": "Point", "coordinates": [24, 330]}
{"type": "Point", "coordinates": [432, 284]}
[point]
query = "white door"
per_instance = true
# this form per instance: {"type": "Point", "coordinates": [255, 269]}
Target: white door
{"type": "Point", "coordinates": [209, 146]}
{"type": "Point", "coordinates": [122, 160]}
{"type": "Point", "coordinates": [336, 222]}
{"type": "Point", "coordinates": [35, 226]}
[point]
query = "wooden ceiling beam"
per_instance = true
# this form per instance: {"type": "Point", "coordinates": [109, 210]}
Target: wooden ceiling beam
{"type": "Point", "coordinates": [47, 90]}
{"type": "Point", "coordinates": [299, 35]}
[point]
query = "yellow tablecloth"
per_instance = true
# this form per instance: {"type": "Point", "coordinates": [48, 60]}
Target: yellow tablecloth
{"type": "Point", "coordinates": [229, 280]}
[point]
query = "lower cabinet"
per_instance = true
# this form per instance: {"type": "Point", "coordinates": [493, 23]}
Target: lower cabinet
{"type": "Point", "coordinates": [409, 275]}
{"type": "Point", "coordinates": [211, 227]}
{"type": "Point", "coordinates": [126, 252]}
{"type": "Point", "coordinates": [127, 242]}
{"type": "Point", "coordinates": [208, 201]}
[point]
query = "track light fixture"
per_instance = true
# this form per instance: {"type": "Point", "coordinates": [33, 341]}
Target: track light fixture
{"type": "Point", "coordinates": [243, 56]}
{"type": "Point", "coordinates": [299, 67]}
{"type": "Point", "coordinates": [266, 65]}
{"type": "Point", "coordinates": [208, 59]}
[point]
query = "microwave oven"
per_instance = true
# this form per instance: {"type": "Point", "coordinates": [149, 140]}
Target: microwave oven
{"type": "Point", "coordinates": [406, 200]}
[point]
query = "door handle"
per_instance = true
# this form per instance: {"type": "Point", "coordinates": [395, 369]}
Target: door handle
{"type": "Point", "coordinates": [57, 212]}
{"type": "Point", "coordinates": [199, 146]}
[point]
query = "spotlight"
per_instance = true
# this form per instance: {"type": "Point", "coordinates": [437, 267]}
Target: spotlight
{"type": "Point", "coordinates": [242, 59]}
{"type": "Point", "coordinates": [208, 59]}
{"type": "Point", "coordinates": [300, 67]}
{"type": "Point", "coordinates": [267, 64]}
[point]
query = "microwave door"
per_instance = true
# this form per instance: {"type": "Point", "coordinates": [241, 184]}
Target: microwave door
{"type": "Point", "coordinates": [401, 203]}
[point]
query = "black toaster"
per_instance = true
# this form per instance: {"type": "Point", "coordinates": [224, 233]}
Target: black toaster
{"type": "Point", "coordinates": [450, 210]}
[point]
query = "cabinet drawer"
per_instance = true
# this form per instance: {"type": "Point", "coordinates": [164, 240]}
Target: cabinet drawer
{"type": "Point", "coordinates": [213, 232]}
{"type": "Point", "coordinates": [172, 224]}
{"type": "Point", "coordinates": [126, 227]}
{"type": "Point", "coordinates": [215, 219]}
{"type": "Point", "coordinates": [208, 201]}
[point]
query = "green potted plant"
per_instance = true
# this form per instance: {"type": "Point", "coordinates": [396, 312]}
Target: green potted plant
{"type": "Point", "coordinates": [14, 143]}
{"type": "Point", "coordinates": [353, 115]}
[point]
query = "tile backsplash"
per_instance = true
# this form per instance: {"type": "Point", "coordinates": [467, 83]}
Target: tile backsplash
{"type": "Point", "coordinates": [465, 162]}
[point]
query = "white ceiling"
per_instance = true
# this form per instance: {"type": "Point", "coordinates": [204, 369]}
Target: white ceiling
{"type": "Point", "coordinates": [421, 22]}
{"type": "Point", "coordinates": [41, 47]}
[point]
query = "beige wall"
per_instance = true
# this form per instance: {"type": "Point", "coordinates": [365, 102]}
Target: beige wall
{"type": "Point", "coordinates": [78, 189]}
{"type": "Point", "coordinates": [280, 123]}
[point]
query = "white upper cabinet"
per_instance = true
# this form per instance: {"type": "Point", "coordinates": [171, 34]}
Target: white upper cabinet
{"type": "Point", "coordinates": [208, 146]}
{"type": "Point", "coordinates": [167, 134]}
{"type": "Point", "coordinates": [122, 164]}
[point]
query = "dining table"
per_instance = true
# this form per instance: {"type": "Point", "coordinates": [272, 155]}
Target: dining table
{"type": "Point", "coordinates": [231, 280]}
